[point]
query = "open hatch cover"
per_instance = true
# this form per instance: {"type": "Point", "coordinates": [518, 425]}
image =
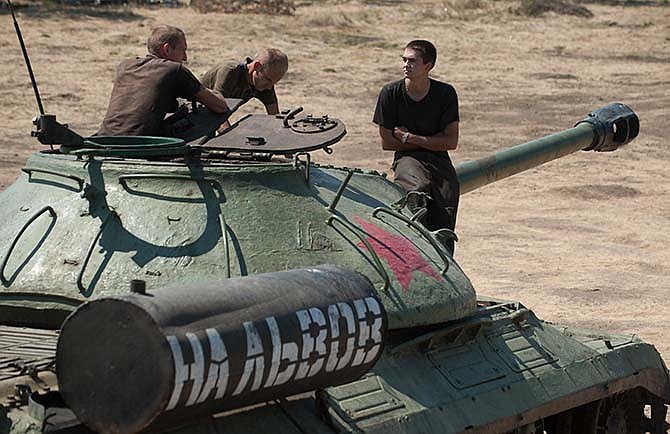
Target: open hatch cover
{"type": "Point", "coordinates": [279, 134]}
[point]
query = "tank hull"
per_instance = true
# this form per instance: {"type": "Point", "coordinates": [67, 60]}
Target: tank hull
{"type": "Point", "coordinates": [499, 371]}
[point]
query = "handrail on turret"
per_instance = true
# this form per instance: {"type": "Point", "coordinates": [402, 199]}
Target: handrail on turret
{"type": "Point", "coordinates": [5, 281]}
{"type": "Point", "coordinates": [361, 235]}
{"type": "Point", "coordinates": [439, 248]}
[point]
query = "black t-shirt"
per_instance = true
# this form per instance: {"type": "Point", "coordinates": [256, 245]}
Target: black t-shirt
{"type": "Point", "coordinates": [427, 117]}
{"type": "Point", "coordinates": [231, 80]}
{"type": "Point", "coordinates": [145, 90]}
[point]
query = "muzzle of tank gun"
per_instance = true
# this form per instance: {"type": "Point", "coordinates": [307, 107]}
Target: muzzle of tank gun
{"type": "Point", "coordinates": [165, 357]}
{"type": "Point", "coordinates": [614, 125]}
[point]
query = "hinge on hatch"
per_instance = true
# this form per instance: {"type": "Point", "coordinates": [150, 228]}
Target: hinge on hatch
{"type": "Point", "coordinates": [20, 397]}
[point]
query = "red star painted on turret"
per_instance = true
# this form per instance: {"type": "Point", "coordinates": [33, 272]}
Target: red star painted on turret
{"type": "Point", "coordinates": [400, 253]}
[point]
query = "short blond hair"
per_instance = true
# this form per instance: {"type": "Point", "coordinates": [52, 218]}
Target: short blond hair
{"type": "Point", "coordinates": [164, 34]}
{"type": "Point", "coordinates": [274, 59]}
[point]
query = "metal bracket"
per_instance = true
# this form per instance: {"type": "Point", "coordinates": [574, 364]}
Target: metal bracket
{"type": "Point", "coordinates": [297, 162]}
{"type": "Point", "coordinates": [311, 125]}
{"type": "Point", "coordinates": [419, 214]}
{"type": "Point", "coordinates": [20, 397]}
{"type": "Point", "coordinates": [50, 132]}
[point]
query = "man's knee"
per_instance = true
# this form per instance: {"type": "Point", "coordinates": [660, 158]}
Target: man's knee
{"type": "Point", "coordinates": [411, 175]}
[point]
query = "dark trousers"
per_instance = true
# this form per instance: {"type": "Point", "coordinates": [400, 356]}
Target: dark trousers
{"type": "Point", "coordinates": [434, 174]}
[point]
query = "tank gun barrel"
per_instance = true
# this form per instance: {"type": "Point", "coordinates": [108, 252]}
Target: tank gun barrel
{"type": "Point", "coordinates": [603, 130]}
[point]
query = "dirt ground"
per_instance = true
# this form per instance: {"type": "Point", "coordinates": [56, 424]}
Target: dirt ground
{"type": "Point", "coordinates": [583, 241]}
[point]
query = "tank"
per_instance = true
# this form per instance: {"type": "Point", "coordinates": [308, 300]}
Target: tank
{"type": "Point", "coordinates": [226, 283]}
{"type": "Point", "coordinates": [229, 284]}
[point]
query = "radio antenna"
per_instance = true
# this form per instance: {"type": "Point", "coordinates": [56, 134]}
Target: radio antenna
{"type": "Point", "coordinates": [25, 56]}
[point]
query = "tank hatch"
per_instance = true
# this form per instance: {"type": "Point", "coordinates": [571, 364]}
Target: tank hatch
{"type": "Point", "coordinates": [284, 134]}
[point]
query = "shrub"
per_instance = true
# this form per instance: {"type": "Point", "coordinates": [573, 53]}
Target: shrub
{"type": "Point", "coordinates": [536, 8]}
{"type": "Point", "coordinates": [273, 7]}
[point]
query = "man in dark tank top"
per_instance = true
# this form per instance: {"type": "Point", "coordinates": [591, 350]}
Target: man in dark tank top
{"type": "Point", "coordinates": [418, 119]}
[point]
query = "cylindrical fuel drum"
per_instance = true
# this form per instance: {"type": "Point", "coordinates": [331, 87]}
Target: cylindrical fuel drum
{"type": "Point", "coordinates": [126, 362]}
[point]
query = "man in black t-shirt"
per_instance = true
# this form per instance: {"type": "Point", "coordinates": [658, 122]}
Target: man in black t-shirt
{"type": "Point", "coordinates": [418, 119]}
{"type": "Point", "coordinates": [146, 89]}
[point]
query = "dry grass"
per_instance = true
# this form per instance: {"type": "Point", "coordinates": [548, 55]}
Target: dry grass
{"type": "Point", "coordinates": [271, 7]}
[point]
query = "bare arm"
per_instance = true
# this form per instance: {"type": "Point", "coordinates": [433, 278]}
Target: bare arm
{"type": "Point", "coordinates": [272, 109]}
{"type": "Point", "coordinates": [391, 143]}
{"type": "Point", "coordinates": [445, 140]}
{"type": "Point", "coordinates": [212, 100]}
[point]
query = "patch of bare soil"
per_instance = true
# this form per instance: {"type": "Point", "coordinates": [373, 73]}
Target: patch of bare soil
{"type": "Point", "coordinates": [583, 241]}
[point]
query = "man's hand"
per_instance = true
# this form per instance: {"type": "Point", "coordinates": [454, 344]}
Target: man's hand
{"type": "Point", "coordinates": [391, 143]}
{"type": "Point", "coordinates": [224, 126]}
{"type": "Point", "coordinates": [401, 133]}
{"type": "Point", "coordinates": [399, 139]}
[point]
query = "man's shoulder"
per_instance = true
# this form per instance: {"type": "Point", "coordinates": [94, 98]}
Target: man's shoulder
{"type": "Point", "coordinates": [162, 69]}
{"type": "Point", "coordinates": [223, 72]}
{"type": "Point", "coordinates": [225, 67]}
{"type": "Point", "coordinates": [152, 62]}
{"type": "Point", "coordinates": [394, 86]}
{"type": "Point", "coordinates": [135, 62]}
{"type": "Point", "coordinates": [442, 87]}
{"type": "Point", "coordinates": [392, 91]}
